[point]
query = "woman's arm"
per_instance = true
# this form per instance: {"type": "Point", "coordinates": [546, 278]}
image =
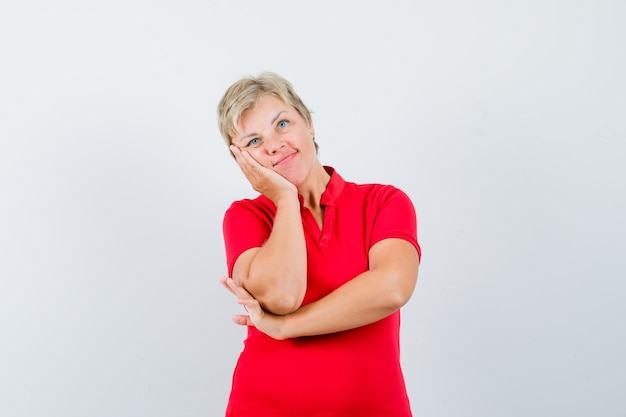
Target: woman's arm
{"type": "Point", "coordinates": [369, 297]}
{"type": "Point", "coordinates": [275, 274]}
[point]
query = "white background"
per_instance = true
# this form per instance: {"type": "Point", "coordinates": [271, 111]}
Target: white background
{"type": "Point", "coordinates": [504, 121]}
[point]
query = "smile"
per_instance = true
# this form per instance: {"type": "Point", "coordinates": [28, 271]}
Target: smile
{"type": "Point", "coordinates": [285, 160]}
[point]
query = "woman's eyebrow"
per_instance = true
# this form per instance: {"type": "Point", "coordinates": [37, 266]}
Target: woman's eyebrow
{"type": "Point", "coordinates": [277, 116]}
{"type": "Point", "coordinates": [249, 135]}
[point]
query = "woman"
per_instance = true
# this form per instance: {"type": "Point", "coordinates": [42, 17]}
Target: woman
{"type": "Point", "coordinates": [321, 265]}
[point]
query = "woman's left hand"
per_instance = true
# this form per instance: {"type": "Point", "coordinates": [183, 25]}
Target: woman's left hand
{"type": "Point", "coordinates": [268, 323]}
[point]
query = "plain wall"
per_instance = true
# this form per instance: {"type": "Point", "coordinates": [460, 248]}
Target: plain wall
{"type": "Point", "coordinates": [504, 121]}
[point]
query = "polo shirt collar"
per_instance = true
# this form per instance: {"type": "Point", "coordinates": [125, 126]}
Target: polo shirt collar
{"type": "Point", "coordinates": [334, 188]}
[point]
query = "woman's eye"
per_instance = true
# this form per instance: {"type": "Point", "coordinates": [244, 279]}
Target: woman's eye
{"type": "Point", "coordinates": [254, 141]}
{"type": "Point", "coordinates": [282, 124]}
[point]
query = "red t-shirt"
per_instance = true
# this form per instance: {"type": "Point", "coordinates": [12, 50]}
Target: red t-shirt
{"type": "Point", "coordinates": [351, 373]}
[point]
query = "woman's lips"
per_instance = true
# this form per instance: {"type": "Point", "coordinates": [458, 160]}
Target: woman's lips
{"type": "Point", "coordinates": [286, 159]}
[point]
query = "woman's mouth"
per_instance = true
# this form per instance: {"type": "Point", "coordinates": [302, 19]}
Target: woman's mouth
{"type": "Point", "coordinates": [285, 159]}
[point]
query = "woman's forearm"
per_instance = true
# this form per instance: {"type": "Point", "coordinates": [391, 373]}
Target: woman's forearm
{"type": "Point", "coordinates": [276, 272]}
{"type": "Point", "coordinates": [367, 298]}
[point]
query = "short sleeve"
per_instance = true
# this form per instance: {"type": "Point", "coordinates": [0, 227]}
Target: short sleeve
{"type": "Point", "coordinates": [395, 218]}
{"type": "Point", "coordinates": [245, 226]}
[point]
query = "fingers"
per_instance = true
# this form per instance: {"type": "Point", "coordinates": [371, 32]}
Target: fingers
{"type": "Point", "coordinates": [246, 162]}
{"type": "Point", "coordinates": [251, 305]}
{"type": "Point", "coordinates": [242, 320]}
{"type": "Point", "coordinates": [245, 299]}
{"type": "Point", "coordinates": [224, 282]}
{"type": "Point", "coordinates": [237, 290]}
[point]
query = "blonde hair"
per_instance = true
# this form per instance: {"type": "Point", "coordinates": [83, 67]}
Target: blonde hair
{"type": "Point", "coordinates": [244, 94]}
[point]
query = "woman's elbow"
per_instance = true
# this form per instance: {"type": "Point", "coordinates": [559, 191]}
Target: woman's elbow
{"type": "Point", "coordinates": [278, 295]}
{"type": "Point", "coordinates": [400, 293]}
{"type": "Point", "coordinates": [396, 299]}
{"type": "Point", "coordinates": [282, 305]}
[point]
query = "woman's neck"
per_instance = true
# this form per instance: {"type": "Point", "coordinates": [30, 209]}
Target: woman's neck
{"type": "Point", "coordinates": [312, 192]}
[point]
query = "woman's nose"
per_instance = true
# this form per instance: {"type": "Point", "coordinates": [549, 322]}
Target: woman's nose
{"type": "Point", "coordinates": [274, 144]}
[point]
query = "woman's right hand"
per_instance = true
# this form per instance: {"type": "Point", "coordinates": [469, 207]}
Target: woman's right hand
{"type": "Point", "coordinates": [264, 180]}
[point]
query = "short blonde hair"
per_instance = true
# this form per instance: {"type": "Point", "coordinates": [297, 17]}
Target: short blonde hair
{"type": "Point", "coordinates": [244, 94]}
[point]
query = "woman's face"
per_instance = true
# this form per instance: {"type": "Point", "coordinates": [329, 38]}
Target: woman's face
{"type": "Point", "coordinates": [275, 134]}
